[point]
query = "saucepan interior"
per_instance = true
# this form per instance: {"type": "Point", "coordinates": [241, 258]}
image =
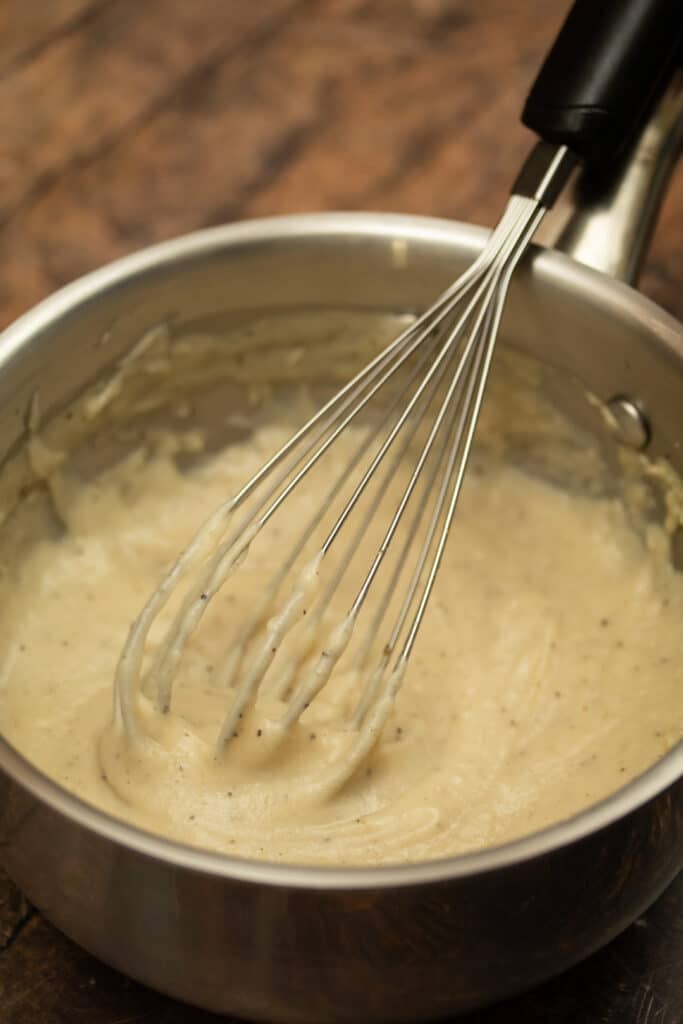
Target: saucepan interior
{"type": "Point", "coordinates": [258, 310]}
{"type": "Point", "coordinates": [223, 327]}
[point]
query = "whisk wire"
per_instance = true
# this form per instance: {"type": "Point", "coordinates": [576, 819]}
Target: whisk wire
{"type": "Point", "coordinates": [226, 676]}
{"type": "Point", "coordinates": [227, 558]}
{"type": "Point", "coordinates": [531, 217]}
{"type": "Point", "coordinates": [340, 634]}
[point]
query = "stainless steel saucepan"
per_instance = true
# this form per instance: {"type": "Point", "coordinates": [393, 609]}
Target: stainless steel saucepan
{"type": "Point", "coordinates": [396, 943]}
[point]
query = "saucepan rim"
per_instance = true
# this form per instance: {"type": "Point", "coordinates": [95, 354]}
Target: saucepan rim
{"type": "Point", "coordinates": [551, 266]}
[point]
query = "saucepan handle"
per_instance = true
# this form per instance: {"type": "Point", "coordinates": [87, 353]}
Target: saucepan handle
{"type": "Point", "coordinates": [606, 220]}
{"type": "Point", "coordinates": [602, 77]}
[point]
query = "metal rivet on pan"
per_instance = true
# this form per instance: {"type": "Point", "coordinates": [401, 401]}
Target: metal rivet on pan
{"type": "Point", "coordinates": [628, 423]}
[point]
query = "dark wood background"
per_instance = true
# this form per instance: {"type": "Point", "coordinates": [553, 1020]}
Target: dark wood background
{"type": "Point", "coordinates": [123, 122]}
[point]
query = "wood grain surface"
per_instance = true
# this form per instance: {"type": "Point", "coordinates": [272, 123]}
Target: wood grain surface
{"type": "Point", "coordinates": [123, 122]}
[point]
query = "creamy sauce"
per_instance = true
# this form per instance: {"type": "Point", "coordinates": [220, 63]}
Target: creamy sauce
{"type": "Point", "coordinates": [547, 673]}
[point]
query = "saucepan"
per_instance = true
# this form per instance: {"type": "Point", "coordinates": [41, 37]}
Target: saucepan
{"type": "Point", "coordinates": [410, 942]}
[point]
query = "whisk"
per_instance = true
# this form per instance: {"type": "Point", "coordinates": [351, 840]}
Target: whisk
{"type": "Point", "coordinates": [421, 396]}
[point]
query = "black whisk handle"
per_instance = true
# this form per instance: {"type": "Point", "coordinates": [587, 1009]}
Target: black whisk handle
{"type": "Point", "coordinates": [605, 71]}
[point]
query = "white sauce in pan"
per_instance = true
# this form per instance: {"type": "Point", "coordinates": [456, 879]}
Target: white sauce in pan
{"type": "Point", "coordinates": [547, 674]}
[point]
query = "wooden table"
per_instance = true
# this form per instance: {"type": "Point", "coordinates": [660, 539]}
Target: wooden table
{"type": "Point", "coordinates": [123, 122]}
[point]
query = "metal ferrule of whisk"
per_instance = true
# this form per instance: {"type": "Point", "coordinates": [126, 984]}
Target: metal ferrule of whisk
{"type": "Point", "coordinates": [428, 383]}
